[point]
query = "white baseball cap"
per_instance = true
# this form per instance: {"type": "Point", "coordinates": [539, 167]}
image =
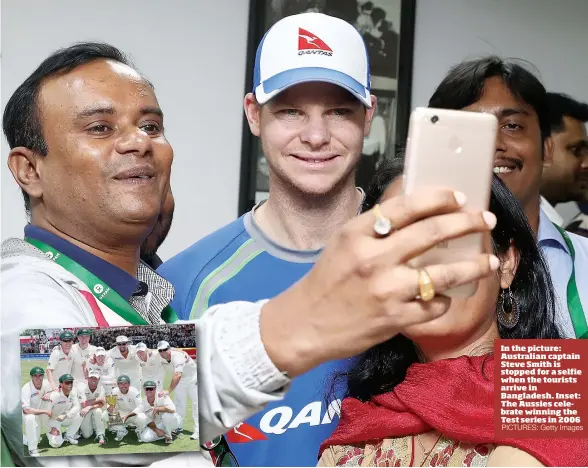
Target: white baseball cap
{"type": "Point", "coordinates": [163, 345]}
{"type": "Point", "coordinates": [141, 346]}
{"type": "Point", "coordinates": [122, 339]}
{"type": "Point", "coordinates": [94, 373]}
{"type": "Point", "coordinates": [100, 351]}
{"type": "Point", "coordinates": [311, 47]}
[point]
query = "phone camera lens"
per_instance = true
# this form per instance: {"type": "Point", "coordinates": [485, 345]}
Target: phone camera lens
{"type": "Point", "coordinates": [434, 119]}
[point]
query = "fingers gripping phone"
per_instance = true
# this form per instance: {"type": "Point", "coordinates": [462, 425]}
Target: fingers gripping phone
{"type": "Point", "coordinates": [455, 150]}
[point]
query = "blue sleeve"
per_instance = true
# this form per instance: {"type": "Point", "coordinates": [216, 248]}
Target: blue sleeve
{"type": "Point", "coordinates": [189, 268]}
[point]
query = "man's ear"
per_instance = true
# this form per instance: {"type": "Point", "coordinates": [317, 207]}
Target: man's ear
{"type": "Point", "coordinates": [252, 112]}
{"type": "Point", "coordinates": [22, 162]}
{"type": "Point", "coordinates": [548, 146]}
{"type": "Point", "coordinates": [369, 115]}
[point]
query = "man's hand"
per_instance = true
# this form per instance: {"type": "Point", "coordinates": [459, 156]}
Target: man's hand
{"type": "Point", "coordinates": [46, 397]}
{"type": "Point", "coordinates": [47, 412]}
{"type": "Point", "coordinates": [54, 431]}
{"type": "Point", "coordinates": [85, 411]}
{"type": "Point", "coordinates": [362, 290]}
{"type": "Point", "coordinates": [159, 432]}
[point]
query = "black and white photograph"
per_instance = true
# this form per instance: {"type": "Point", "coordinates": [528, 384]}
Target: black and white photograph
{"type": "Point", "coordinates": [387, 28]}
{"type": "Point", "coordinates": [92, 391]}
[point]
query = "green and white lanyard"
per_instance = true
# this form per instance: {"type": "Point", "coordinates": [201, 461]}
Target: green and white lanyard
{"type": "Point", "coordinates": [99, 289]}
{"type": "Point", "coordinates": [574, 304]}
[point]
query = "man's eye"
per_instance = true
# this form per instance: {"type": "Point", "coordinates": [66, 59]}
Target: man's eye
{"type": "Point", "coordinates": [99, 129]}
{"type": "Point", "coordinates": [151, 128]}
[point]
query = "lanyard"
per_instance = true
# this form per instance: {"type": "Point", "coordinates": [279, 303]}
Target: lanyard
{"type": "Point", "coordinates": [99, 289]}
{"type": "Point", "coordinates": [574, 304]}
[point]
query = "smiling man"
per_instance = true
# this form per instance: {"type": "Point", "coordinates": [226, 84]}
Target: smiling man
{"type": "Point", "coordinates": [311, 107]}
{"type": "Point", "coordinates": [89, 154]}
{"type": "Point", "coordinates": [523, 147]}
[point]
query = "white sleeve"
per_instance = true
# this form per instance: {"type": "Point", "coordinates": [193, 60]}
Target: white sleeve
{"type": "Point", "coordinates": [25, 396]}
{"type": "Point", "coordinates": [236, 376]}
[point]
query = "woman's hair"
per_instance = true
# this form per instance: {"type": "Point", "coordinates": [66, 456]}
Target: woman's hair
{"type": "Point", "coordinates": [382, 367]}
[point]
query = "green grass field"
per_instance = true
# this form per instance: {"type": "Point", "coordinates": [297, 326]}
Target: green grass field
{"type": "Point", "coordinates": [129, 444]}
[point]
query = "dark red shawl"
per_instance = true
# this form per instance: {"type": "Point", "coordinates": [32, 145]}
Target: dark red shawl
{"type": "Point", "coordinates": [452, 396]}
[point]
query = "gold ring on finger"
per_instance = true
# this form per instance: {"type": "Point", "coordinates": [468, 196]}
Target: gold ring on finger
{"type": "Point", "coordinates": [426, 288]}
{"type": "Point", "coordinates": [382, 225]}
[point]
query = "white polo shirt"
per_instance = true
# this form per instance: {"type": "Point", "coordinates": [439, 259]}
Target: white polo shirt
{"type": "Point", "coordinates": [152, 369]}
{"type": "Point", "coordinates": [87, 394]}
{"type": "Point", "coordinates": [60, 363]}
{"type": "Point", "coordinates": [80, 355]}
{"type": "Point", "coordinates": [107, 377]}
{"type": "Point", "coordinates": [60, 403]}
{"type": "Point", "coordinates": [181, 362]}
{"type": "Point", "coordinates": [126, 403]}
{"type": "Point", "coordinates": [161, 399]}
{"type": "Point", "coordinates": [125, 365]}
{"type": "Point", "coordinates": [31, 397]}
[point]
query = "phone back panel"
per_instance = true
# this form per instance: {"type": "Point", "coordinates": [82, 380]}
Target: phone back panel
{"type": "Point", "coordinates": [454, 150]}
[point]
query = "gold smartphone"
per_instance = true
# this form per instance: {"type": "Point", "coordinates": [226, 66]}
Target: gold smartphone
{"type": "Point", "coordinates": [455, 150]}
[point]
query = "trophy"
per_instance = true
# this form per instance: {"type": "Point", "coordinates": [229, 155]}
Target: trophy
{"type": "Point", "coordinates": [114, 418]}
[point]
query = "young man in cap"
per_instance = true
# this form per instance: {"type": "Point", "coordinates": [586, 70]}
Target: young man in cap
{"type": "Point", "coordinates": [125, 360]}
{"type": "Point", "coordinates": [61, 359]}
{"type": "Point", "coordinates": [311, 107]}
{"type": "Point", "coordinates": [160, 412]}
{"type": "Point", "coordinates": [93, 402]}
{"type": "Point", "coordinates": [151, 365]}
{"type": "Point", "coordinates": [128, 398]}
{"type": "Point", "coordinates": [183, 382]}
{"type": "Point", "coordinates": [65, 407]}
{"type": "Point", "coordinates": [524, 147]}
{"type": "Point", "coordinates": [82, 351]}
{"type": "Point", "coordinates": [105, 368]}
{"type": "Point", "coordinates": [34, 395]}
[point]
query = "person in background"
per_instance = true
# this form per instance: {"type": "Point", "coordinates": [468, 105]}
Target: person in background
{"type": "Point", "coordinates": [64, 405]}
{"type": "Point", "coordinates": [565, 177]}
{"type": "Point", "coordinates": [523, 146]}
{"type": "Point", "coordinates": [127, 399]}
{"type": "Point", "coordinates": [61, 359]}
{"type": "Point", "coordinates": [160, 412]}
{"type": "Point", "coordinates": [82, 351]}
{"type": "Point", "coordinates": [184, 382]}
{"type": "Point", "coordinates": [93, 402]}
{"type": "Point", "coordinates": [34, 395]}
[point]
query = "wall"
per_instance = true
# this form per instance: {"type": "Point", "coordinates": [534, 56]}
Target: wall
{"type": "Point", "coordinates": [194, 53]}
{"type": "Point", "coordinates": [552, 35]}
{"type": "Point", "coordinates": [197, 64]}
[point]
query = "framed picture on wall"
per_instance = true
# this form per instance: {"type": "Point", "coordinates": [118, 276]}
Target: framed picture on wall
{"type": "Point", "coordinates": [387, 27]}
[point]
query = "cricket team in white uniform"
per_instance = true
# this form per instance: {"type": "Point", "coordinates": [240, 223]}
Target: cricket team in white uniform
{"type": "Point", "coordinates": [72, 395]}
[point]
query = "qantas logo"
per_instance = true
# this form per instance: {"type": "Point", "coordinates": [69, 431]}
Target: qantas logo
{"type": "Point", "coordinates": [279, 420]}
{"type": "Point", "coordinates": [309, 43]}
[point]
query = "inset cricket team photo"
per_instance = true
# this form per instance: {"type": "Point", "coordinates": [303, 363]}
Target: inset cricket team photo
{"type": "Point", "coordinates": [94, 391]}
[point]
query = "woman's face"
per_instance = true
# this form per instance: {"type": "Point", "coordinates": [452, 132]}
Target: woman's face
{"type": "Point", "coordinates": [470, 321]}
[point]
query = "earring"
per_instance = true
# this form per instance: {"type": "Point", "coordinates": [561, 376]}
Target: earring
{"type": "Point", "coordinates": [508, 311]}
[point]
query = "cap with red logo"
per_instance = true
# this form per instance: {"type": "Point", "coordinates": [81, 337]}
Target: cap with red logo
{"type": "Point", "coordinates": [311, 47]}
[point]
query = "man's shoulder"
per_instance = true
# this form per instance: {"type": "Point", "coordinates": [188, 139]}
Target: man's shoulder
{"type": "Point", "coordinates": [202, 252]}
{"type": "Point", "coordinates": [37, 290]}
